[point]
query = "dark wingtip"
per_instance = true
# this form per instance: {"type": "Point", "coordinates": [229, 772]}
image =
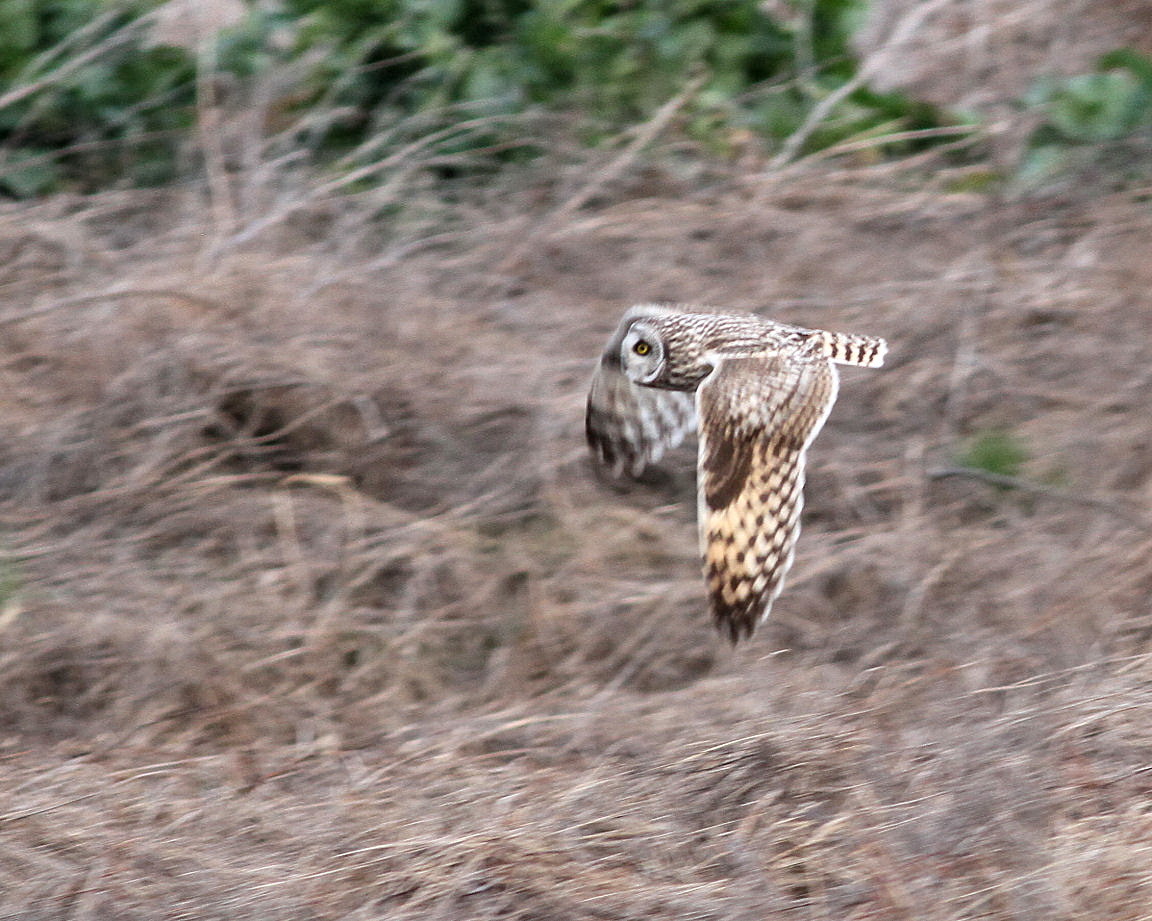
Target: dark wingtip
{"type": "Point", "coordinates": [606, 451]}
{"type": "Point", "coordinates": [601, 448]}
{"type": "Point", "coordinates": [736, 622]}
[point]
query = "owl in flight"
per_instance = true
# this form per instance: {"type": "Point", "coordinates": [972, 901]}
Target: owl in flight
{"type": "Point", "coordinates": [757, 393]}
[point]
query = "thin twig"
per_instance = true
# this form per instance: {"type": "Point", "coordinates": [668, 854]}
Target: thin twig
{"type": "Point", "coordinates": [402, 162]}
{"type": "Point", "coordinates": [210, 130]}
{"type": "Point", "coordinates": [964, 132]}
{"type": "Point", "coordinates": [873, 63]}
{"type": "Point", "coordinates": [643, 136]}
{"type": "Point", "coordinates": [121, 36]}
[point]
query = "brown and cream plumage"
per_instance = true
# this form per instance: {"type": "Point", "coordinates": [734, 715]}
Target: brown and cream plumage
{"type": "Point", "coordinates": [757, 392]}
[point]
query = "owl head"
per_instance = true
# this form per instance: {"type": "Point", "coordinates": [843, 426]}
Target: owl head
{"type": "Point", "coordinates": [658, 346]}
{"type": "Point", "coordinates": [642, 354]}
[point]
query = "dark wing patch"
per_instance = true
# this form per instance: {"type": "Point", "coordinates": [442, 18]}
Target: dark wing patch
{"type": "Point", "coordinates": [727, 462]}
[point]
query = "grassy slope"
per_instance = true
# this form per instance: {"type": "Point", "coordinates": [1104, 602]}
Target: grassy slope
{"type": "Point", "coordinates": [314, 607]}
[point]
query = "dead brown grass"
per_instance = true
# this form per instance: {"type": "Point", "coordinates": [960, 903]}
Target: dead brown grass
{"type": "Point", "coordinates": [310, 605]}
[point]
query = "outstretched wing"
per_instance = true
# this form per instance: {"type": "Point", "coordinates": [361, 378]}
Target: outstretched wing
{"type": "Point", "coordinates": [629, 426]}
{"type": "Point", "coordinates": [757, 417]}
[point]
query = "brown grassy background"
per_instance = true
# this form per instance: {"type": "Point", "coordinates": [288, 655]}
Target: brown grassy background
{"type": "Point", "coordinates": [310, 604]}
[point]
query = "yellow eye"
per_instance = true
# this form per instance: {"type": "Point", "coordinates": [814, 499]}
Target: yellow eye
{"type": "Point", "coordinates": [642, 348]}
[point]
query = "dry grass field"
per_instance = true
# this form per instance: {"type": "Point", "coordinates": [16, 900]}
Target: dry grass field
{"type": "Point", "coordinates": [311, 605]}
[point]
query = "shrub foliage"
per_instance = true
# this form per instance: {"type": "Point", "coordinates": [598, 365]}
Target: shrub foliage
{"type": "Point", "coordinates": [94, 101]}
{"type": "Point", "coordinates": [87, 99]}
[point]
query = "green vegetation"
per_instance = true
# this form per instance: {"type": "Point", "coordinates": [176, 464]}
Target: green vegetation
{"type": "Point", "coordinates": [88, 100]}
{"type": "Point", "coordinates": [994, 451]}
{"type": "Point", "coordinates": [1101, 117]}
{"type": "Point", "coordinates": [91, 102]}
{"type": "Point", "coordinates": [613, 63]}
{"type": "Point", "coordinates": [85, 99]}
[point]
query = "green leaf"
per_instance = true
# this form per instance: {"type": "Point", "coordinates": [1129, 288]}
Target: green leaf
{"type": "Point", "coordinates": [1139, 65]}
{"type": "Point", "coordinates": [29, 172]}
{"type": "Point", "coordinates": [1043, 162]}
{"type": "Point", "coordinates": [1096, 107]}
{"type": "Point", "coordinates": [995, 451]}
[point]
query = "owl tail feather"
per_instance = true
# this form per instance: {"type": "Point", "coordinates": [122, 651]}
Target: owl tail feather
{"type": "Point", "coordinates": [851, 349]}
